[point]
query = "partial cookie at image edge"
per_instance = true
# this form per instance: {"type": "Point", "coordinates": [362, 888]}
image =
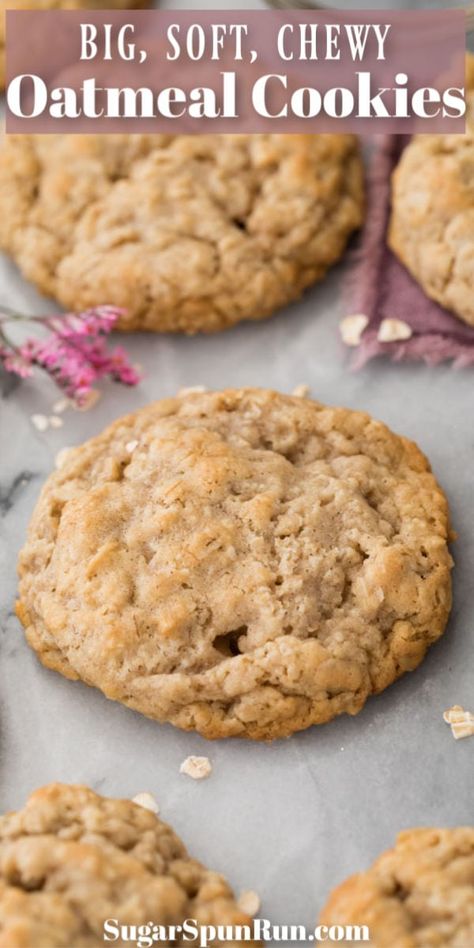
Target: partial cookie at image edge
{"type": "Point", "coordinates": [182, 233]}
{"type": "Point", "coordinates": [70, 859]}
{"type": "Point", "coordinates": [431, 229]}
{"type": "Point", "coordinates": [420, 894]}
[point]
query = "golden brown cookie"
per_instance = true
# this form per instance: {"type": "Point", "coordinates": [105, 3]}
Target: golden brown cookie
{"type": "Point", "coordinates": [418, 895]}
{"type": "Point", "coordinates": [238, 562]}
{"type": "Point", "coordinates": [203, 232]}
{"type": "Point", "coordinates": [71, 859]}
{"type": "Point", "coordinates": [58, 5]}
{"type": "Point", "coordinates": [432, 221]}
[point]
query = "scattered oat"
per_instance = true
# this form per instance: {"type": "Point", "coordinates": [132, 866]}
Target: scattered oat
{"type": "Point", "coordinates": [463, 730]}
{"type": "Point", "coordinates": [61, 457]}
{"type": "Point", "coordinates": [40, 422]}
{"type": "Point", "coordinates": [249, 902]}
{"type": "Point", "coordinates": [55, 422]}
{"type": "Point", "coordinates": [301, 391]}
{"type": "Point", "coordinates": [454, 714]}
{"type": "Point", "coordinates": [461, 721]}
{"type": "Point", "coordinates": [351, 329]}
{"type": "Point", "coordinates": [89, 401]}
{"type": "Point", "coordinates": [61, 406]}
{"type": "Point", "coordinates": [147, 801]}
{"type": "Point", "coordinates": [191, 390]}
{"type": "Point", "coordinates": [196, 767]}
{"type": "Point", "coordinates": [393, 330]}
{"type": "Point", "coordinates": [130, 446]}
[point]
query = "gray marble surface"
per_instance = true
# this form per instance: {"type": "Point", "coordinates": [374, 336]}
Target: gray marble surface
{"type": "Point", "coordinates": [293, 818]}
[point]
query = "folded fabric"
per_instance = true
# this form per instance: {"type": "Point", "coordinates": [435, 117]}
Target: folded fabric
{"type": "Point", "coordinates": [381, 289]}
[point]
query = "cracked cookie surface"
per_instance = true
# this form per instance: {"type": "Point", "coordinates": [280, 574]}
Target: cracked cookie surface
{"type": "Point", "coordinates": [58, 5]}
{"type": "Point", "coordinates": [256, 564]}
{"type": "Point", "coordinates": [185, 233]}
{"type": "Point", "coordinates": [70, 859]}
{"type": "Point", "coordinates": [432, 222]}
{"type": "Point", "coordinates": [420, 894]}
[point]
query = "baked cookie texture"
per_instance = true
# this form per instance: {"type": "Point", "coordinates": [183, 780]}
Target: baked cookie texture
{"type": "Point", "coordinates": [58, 5]}
{"type": "Point", "coordinates": [72, 859]}
{"type": "Point", "coordinates": [186, 233]}
{"type": "Point", "coordinates": [238, 562]}
{"type": "Point", "coordinates": [418, 895]}
{"type": "Point", "coordinates": [432, 222]}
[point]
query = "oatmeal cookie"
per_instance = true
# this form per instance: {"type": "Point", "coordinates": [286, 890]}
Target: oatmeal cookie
{"type": "Point", "coordinates": [72, 859]}
{"type": "Point", "coordinates": [418, 895]}
{"type": "Point", "coordinates": [238, 562]}
{"type": "Point", "coordinates": [432, 222]}
{"type": "Point", "coordinates": [205, 231]}
{"type": "Point", "coordinates": [58, 5]}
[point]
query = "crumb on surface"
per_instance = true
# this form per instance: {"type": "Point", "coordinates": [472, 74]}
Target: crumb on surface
{"type": "Point", "coordinates": [394, 330]}
{"type": "Point", "coordinates": [352, 327]}
{"type": "Point", "coordinates": [130, 446]}
{"type": "Point", "coordinates": [61, 405]}
{"type": "Point", "coordinates": [196, 767]}
{"type": "Point", "coordinates": [461, 722]}
{"type": "Point", "coordinates": [55, 422]}
{"type": "Point", "coordinates": [40, 422]}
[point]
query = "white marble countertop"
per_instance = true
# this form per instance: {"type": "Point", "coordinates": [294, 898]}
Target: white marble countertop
{"type": "Point", "coordinates": [293, 818]}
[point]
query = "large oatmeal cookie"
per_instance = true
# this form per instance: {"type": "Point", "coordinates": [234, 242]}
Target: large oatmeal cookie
{"type": "Point", "coordinates": [418, 895]}
{"type": "Point", "coordinates": [432, 222]}
{"type": "Point", "coordinates": [58, 5]}
{"type": "Point", "coordinates": [72, 859]}
{"type": "Point", "coordinates": [205, 231]}
{"type": "Point", "coordinates": [238, 563]}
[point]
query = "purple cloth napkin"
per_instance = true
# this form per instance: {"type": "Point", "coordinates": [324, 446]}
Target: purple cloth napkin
{"type": "Point", "coordinates": [379, 286]}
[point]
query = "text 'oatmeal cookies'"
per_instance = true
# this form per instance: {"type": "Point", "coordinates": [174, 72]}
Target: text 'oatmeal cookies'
{"type": "Point", "coordinates": [71, 859]}
{"type": "Point", "coordinates": [185, 233]}
{"type": "Point", "coordinates": [259, 563]}
{"type": "Point", "coordinates": [420, 894]}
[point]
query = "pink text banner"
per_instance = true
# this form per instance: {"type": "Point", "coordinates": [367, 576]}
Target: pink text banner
{"type": "Point", "coordinates": [235, 71]}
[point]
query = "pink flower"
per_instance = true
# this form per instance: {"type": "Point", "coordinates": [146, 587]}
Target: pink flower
{"type": "Point", "coordinates": [14, 362]}
{"type": "Point", "coordinates": [90, 323]}
{"type": "Point", "coordinates": [74, 353]}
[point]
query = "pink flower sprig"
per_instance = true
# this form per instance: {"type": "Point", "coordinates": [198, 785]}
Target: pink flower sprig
{"type": "Point", "coordinates": [73, 351]}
